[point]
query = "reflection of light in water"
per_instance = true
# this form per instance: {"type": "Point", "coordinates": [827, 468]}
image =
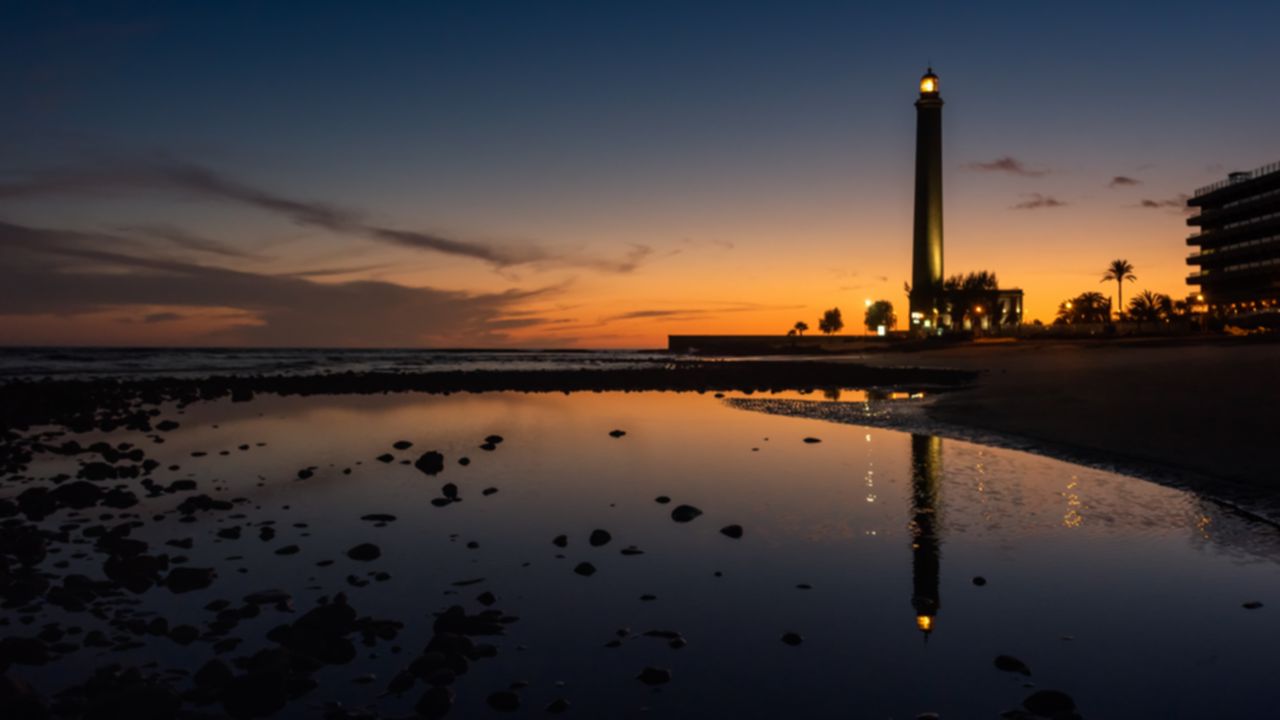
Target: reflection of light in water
{"type": "Point", "coordinates": [926, 546]}
{"type": "Point", "coordinates": [1202, 526]}
{"type": "Point", "coordinates": [1072, 518]}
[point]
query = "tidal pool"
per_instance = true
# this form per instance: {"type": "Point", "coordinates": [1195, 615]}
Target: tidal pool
{"type": "Point", "coordinates": [906, 563]}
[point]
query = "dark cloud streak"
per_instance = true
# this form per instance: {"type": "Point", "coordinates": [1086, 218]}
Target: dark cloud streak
{"type": "Point", "coordinates": [1006, 164]}
{"type": "Point", "coordinates": [188, 178]}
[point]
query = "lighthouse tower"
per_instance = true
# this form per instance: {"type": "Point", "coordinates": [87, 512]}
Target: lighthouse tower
{"type": "Point", "coordinates": [926, 258]}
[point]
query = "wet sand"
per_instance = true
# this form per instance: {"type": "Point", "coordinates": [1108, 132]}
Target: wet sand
{"type": "Point", "coordinates": [1195, 413]}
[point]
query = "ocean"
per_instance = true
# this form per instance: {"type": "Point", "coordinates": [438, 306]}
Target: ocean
{"type": "Point", "coordinates": [19, 363]}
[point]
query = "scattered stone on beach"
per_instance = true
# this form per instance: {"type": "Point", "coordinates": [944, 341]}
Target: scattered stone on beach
{"type": "Point", "coordinates": [489, 491]}
{"type": "Point", "coordinates": [560, 541]}
{"type": "Point", "coordinates": [306, 473]}
{"type": "Point", "coordinates": [557, 706]}
{"type": "Point", "coordinates": [488, 446]}
{"type": "Point", "coordinates": [1009, 663]}
{"type": "Point", "coordinates": [685, 513]}
{"type": "Point", "coordinates": [733, 531]}
{"type": "Point", "coordinates": [464, 461]}
{"type": "Point", "coordinates": [436, 702]}
{"type": "Point", "coordinates": [186, 579]}
{"type": "Point", "coordinates": [979, 580]}
{"type": "Point", "coordinates": [402, 445]}
{"type": "Point", "coordinates": [288, 550]}
{"type": "Point", "coordinates": [648, 598]}
{"type": "Point", "coordinates": [803, 586]}
{"type": "Point", "coordinates": [792, 638]}
{"type": "Point", "coordinates": [662, 499]}
{"type": "Point", "coordinates": [599, 538]}
{"type": "Point", "coordinates": [585, 569]}
{"type": "Point", "coordinates": [486, 598]}
{"type": "Point", "coordinates": [493, 439]}
{"type": "Point", "coordinates": [385, 458]}
{"type": "Point", "coordinates": [431, 463]}
{"type": "Point", "coordinates": [378, 517]}
{"type": "Point", "coordinates": [812, 440]}
{"type": "Point", "coordinates": [365, 552]}
{"type": "Point", "coordinates": [1251, 605]}
{"type": "Point", "coordinates": [654, 676]}
{"type": "Point", "coordinates": [632, 550]}
{"type": "Point", "coordinates": [504, 701]}
{"type": "Point", "coordinates": [617, 433]}
{"type": "Point", "coordinates": [1049, 703]}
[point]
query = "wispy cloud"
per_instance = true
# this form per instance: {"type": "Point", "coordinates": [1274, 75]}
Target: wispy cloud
{"type": "Point", "coordinates": [61, 272]}
{"type": "Point", "coordinates": [1036, 201]}
{"type": "Point", "coordinates": [1174, 203]}
{"type": "Point", "coordinates": [1123, 181]}
{"type": "Point", "coordinates": [1006, 164]}
{"type": "Point", "coordinates": [192, 179]}
{"type": "Point", "coordinates": [187, 240]}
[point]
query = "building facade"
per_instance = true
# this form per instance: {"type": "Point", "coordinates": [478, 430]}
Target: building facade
{"type": "Point", "coordinates": [1238, 256]}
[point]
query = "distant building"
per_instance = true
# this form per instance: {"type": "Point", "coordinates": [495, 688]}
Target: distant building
{"type": "Point", "coordinates": [1239, 242]}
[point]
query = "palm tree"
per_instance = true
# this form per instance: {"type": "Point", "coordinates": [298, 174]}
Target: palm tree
{"type": "Point", "coordinates": [1119, 270]}
{"type": "Point", "coordinates": [1150, 306]}
{"type": "Point", "coordinates": [800, 327]}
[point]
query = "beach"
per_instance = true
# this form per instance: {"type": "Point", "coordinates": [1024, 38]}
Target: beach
{"type": "Point", "coordinates": [650, 541]}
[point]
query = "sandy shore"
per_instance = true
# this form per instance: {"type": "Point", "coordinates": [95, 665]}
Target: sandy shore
{"type": "Point", "coordinates": [1197, 414]}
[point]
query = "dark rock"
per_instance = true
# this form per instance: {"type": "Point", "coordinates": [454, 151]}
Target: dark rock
{"type": "Point", "coordinates": [662, 499]}
{"type": "Point", "coordinates": [585, 569]}
{"type": "Point", "coordinates": [685, 513]}
{"type": "Point", "coordinates": [617, 433]}
{"type": "Point", "coordinates": [493, 439]}
{"type": "Point", "coordinates": [812, 440]}
{"type": "Point", "coordinates": [654, 676]}
{"type": "Point", "coordinates": [379, 517]}
{"type": "Point", "coordinates": [450, 491]}
{"type": "Point", "coordinates": [489, 491]}
{"type": "Point", "coordinates": [365, 552]}
{"type": "Point", "coordinates": [733, 531]}
{"type": "Point", "coordinates": [184, 634]}
{"type": "Point", "coordinates": [20, 701]}
{"type": "Point", "coordinates": [431, 463]}
{"type": "Point", "coordinates": [186, 579]}
{"type": "Point", "coordinates": [385, 458]}
{"type": "Point", "coordinates": [504, 701]}
{"type": "Point", "coordinates": [288, 550]}
{"type": "Point", "coordinates": [560, 540]}
{"type": "Point", "coordinates": [213, 674]}
{"type": "Point", "coordinates": [489, 447]}
{"type": "Point", "coordinates": [979, 580]}
{"type": "Point", "coordinates": [1049, 703]}
{"type": "Point", "coordinates": [632, 550]}
{"type": "Point", "coordinates": [599, 538]}
{"type": "Point", "coordinates": [1251, 605]}
{"type": "Point", "coordinates": [402, 445]}
{"type": "Point", "coordinates": [791, 638]}
{"type": "Point", "coordinates": [435, 703]}
{"type": "Point", "coordinates": [557, 706]}
{"type": "Point", "coordinates": [486, 598]}
{"type": "Point", "coordinates": [230, 533]}
{"type": "Point", "coordinates": [1009, 663]}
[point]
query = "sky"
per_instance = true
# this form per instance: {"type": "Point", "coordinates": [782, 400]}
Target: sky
{"type": "Point", "coordinates": [591, 174]}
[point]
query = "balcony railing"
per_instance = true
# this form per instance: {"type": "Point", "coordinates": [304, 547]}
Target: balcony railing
{"type": "Point", "coordinates": [1238, 178]}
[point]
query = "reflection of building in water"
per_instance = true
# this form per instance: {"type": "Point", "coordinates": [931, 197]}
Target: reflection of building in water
{"type": "Point", "coordinates": [926, 555]}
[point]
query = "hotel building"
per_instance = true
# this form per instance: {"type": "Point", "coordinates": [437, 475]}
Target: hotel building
{"type": "Point", "coordinates": [1239, 241]}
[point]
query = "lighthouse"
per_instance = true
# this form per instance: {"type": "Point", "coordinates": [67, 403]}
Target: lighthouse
{"type": "Point", "coordinates": [926, 258]}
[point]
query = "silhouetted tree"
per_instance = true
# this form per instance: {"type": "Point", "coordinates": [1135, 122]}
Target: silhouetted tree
{"type": "Point", "coordinates": [1151, 307]}
{"type": "Point", "coordinates": [1088, 307]}
{"type": "Point", "coordinates": [880, 313]}
{"type": "Point", "coordinates": [966, 293]}
{"type": "Point", "coordinates": [1119, 270]}
{"type": "Point", "coordinates": [800, 327]}
{"type": "Point", "coordinates": [831, 321]}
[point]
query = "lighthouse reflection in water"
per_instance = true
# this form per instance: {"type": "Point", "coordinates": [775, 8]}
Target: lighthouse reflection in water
{"type": "Point", "coordinates": [926, 546]}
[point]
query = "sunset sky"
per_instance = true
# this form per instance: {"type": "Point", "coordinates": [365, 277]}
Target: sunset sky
{"type": "Point", "coordinates": [591, 174]}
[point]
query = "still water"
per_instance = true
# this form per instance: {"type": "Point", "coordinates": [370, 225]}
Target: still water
{"type": "Point", "coordinates": [1124, 594]}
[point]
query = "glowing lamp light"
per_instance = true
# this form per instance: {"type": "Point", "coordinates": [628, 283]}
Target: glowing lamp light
{"type": "Point", "coordinates": [929, 83]}
{"type": "Point", "coordinates": [924, 622]}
